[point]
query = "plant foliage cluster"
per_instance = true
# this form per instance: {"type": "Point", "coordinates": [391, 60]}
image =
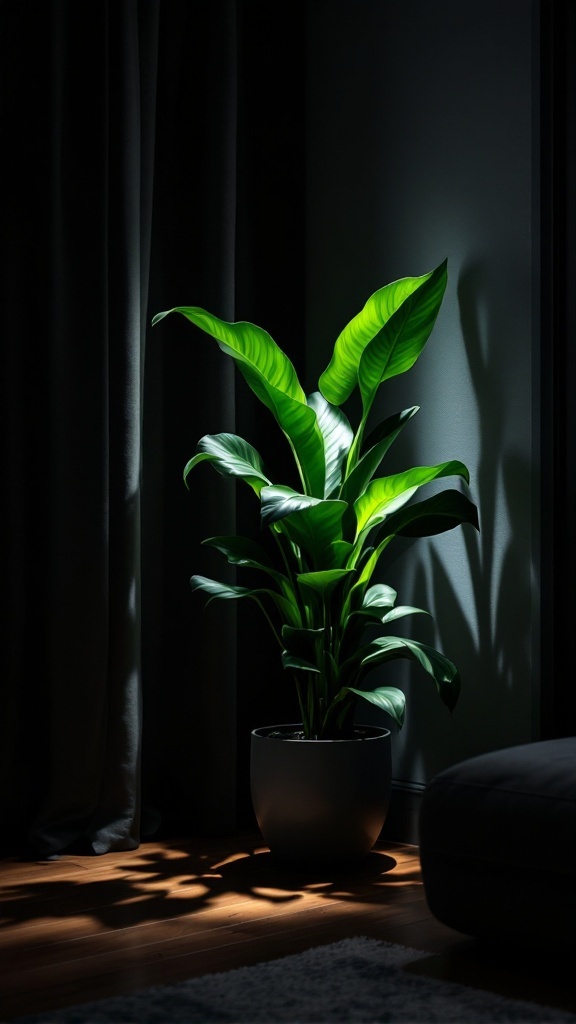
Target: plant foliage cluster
{"type": "Point", "coordinates": [321, 592]}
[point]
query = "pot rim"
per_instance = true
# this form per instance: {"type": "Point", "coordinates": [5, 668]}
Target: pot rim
{"type": "Point", "coordinates": [374, 732]}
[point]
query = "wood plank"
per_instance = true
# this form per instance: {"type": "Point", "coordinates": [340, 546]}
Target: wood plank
{"type": "Point", "coordinates": [141, 898]}
{"type": "Point", "coordinates": [79, 938]}
{"type": "Point", "coordinates": [219, 949]}
{"type": "Point", "coordinates": [82, 928]}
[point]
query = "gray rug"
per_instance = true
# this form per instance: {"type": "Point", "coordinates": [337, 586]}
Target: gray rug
{"type": "Point", "coordinates": [358, 979]}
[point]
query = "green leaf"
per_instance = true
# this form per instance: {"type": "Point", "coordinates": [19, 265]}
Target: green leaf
{"type": "Point", "coordinates": [401, 611]}
{"type": "Point", "coordinates": [437, 514]}
{"type": "Point", "coordinates": [338, 437]}
{"type": "Point", "coordinates": [386, 494]}
{"type": "Point", "coordinates": [252, 348]}
{"type": "Point", "coordinates": [366, 568]}
{"type": "Point", "coordinates": [315, 526]}
{"type": "Point", "coordinates": [302, 648]}
{"type": "Point", "coordinates": [389, 648]}
{"type": "Point", "coordinates": [278, 501]}
{"type": "Point", "coordinates": [381, 618]}
{"type": "Point", "coordinates": [380, 596]}
{"type": "Point", "coordinates": [231, 456]}
{"type": "Point", "coordinates": [388, 698]}
{"type": "Point", "coordinates": [323, 582]}
{"type": "Point", "coordinates": [272, 377]}
{"type": "Point", "coordinates": [397, 347]}
{"type": "Point", "coordinates": [367, 605]}
{"type": "Point", "coordinates": [231, 592]}
{"type": "Point", "coordinates": [300, 426]}
{"type": "Point", "coordinates": [246, 552]}
{"type": "Point", "coordinates": [298, 664]}
{"type": "Point", "coordinates": [376, 447]}
{"type": "Point", "coordinates": [401, 346]}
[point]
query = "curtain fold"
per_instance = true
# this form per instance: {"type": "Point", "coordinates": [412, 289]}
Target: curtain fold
{"type": "Point", "coordinates": [189, 678]}
{"type": "Point", "coordinates": [80, 111]}
{"type": "Point", "coordinates": [93, 659]}
{"type": "Point", "coordinates": [152, 158]}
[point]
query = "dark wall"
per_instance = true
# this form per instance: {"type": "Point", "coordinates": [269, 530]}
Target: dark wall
{"type": "Point", "coordinates": [422, 135]}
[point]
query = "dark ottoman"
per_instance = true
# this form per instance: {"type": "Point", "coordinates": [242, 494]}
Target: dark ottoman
{"type": "Point", "coordinates": [498, 845]}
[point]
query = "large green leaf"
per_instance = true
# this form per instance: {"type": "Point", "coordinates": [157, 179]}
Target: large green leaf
{"type": "Point", "coordinates": [377, 609]}
{"type": "Point", "coordinates": [272, 377]}
{"type": "Point", "coordinates": [302, 648]}
{"type": "Point", "coordinates": [366, 567]}
{"type": "Point", "coordinates": [338, 437]}
{"type": "Point", "coordinates": [244, 551]}
{"type": "Point", "coordinates": [386, 494]}
{"type": "Point", "coordinates": [231, 456]}
{"type": "Point", "coordinates": [278, 501]}
{"type": "Point", "coordinates": [388, 698]}
{"type": "Point", "coordinates": [367, 604]}
{"type": "Point", "coordinates": [398, 345]}
{"type": "Point", "coordinates": [441, 512]}
{"type": "Point", "coordinates": [374, 616]}
{"type": "Point", "coordinates": [389, 648]}
{"type": "Point", "coordinates": [315, 526]}
{"type": "Point", "coordinates": [250, 346]}
{"type": "Point", "coordinates": [300, 426]}
{"type": "Point", "coordinates": [437, 514]}
{"type": "Point", "coordinates": [381, 597]}
{"type": "Point", "coordinates": [298, 664]}
{"type": "Point", "coordinates": [342, 373]}
{"type": "Point", "coordinates": [323, 582]}
{"type": "Point", "coordinates": [401, 611]}
{"type": "Point", "coordinates": [377, 444]}
{"type": "Point", "coordinates": [232, 592]}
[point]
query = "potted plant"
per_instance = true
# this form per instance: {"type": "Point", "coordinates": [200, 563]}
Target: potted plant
{"type": "Point", "coordinates": [318, 562]}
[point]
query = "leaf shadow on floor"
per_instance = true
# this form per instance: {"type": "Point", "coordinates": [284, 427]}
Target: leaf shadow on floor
{"type": "Point", "coordinates": [123, 890]}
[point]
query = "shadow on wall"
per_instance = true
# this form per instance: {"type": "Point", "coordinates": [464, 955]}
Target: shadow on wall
{"type": "Point", "coordinates": [489, 635]}
{"type": "Point", "coordinates": [501, 561]}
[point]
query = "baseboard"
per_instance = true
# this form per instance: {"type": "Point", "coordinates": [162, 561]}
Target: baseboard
{"type": "Point", "coordinates": [401, 825]}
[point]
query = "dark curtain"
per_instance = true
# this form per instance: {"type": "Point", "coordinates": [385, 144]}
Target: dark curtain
{"type": "Point", "coordinates": [152, 157]}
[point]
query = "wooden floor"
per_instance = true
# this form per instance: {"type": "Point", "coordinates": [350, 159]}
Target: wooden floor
{"type": "Point", "coordinates": [82, 928]}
